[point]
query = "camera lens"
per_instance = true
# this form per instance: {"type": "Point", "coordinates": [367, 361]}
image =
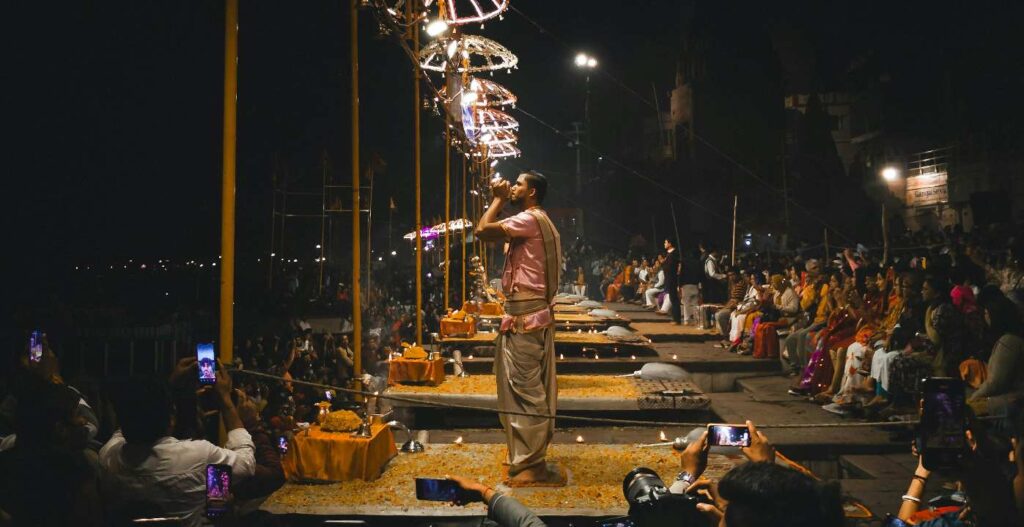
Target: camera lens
{"type": "Point", "coordinates": [640, 483]}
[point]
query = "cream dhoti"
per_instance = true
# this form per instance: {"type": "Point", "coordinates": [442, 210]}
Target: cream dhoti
{"type": "Point", "coordinates": [524, 365]}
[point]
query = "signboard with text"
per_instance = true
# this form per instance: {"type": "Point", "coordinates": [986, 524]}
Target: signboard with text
{"type": "Point", "coordinates": [927, 189]}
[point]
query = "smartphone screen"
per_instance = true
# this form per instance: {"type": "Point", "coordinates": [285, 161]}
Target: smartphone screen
{"type": "Point", "coordinates": [328, 395]}
{"type": "Point", "coordinates": [35, 346]}
{"type": "Point", "coordinates": [728, 435]}
{"type": "Point", "coordinates": [207, 363]}
{"type": "Point", "coordinates": [282, 445]}
{"type": "Point", "coordinates": [218, 488]}
{"type": "Point", "coordinates": [430, 489]}
{"type": "Point", "coordinates": [942, 437]}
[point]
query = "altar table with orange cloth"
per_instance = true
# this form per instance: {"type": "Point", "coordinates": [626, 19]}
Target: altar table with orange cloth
{"type": "Point", "coordinates": [418, 371]}
{"type": "Point", "coordinates": [338, 456]}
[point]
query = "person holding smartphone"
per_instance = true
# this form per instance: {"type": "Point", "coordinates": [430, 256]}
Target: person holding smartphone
{"type": "Point", "coordinates": [143, 452]}
{"type": "Point", "coordinates": [988, 472]}
{"type": "Point", "coordinates": [502, 509]}
{"type": "Point", "coordinates": [47, 369]}
{"type": "Point", "coordinates": [759, 490]}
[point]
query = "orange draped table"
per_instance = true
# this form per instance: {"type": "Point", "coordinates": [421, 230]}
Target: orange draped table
{"type": "Point", "coordinates": [337, 456]}
{"type": "Point", "coordinates": [418, 371]}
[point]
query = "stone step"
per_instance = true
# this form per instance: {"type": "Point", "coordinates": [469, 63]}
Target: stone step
{"type": "Point", "coordinates": [767, 388]}
{"type": "Point", "coordinates": [824, 442]}
{"type": "Point", "coordinates": [566, 435]}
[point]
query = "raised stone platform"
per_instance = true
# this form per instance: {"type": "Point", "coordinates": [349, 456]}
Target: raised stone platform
{"type": "Point", "coordinates": [595, 393]}
{"type": "Point", "coordinates": [594, 488]}
{"type": "Point", "coordinates": [713, 369]}
{"type": "Point", "coordinates": [572, 344]}
{"type": "Point", "coordinates": [601, 396]}
{"type": "Point", "coordinates": [663, 331]}
{"type": "Point", "coordinates": [568, 320]}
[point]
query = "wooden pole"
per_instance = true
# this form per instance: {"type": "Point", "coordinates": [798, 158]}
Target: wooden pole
{"type": "Point", "coordinates": [675, 225]}
{"type": "Point", "coordinates": [735, 205]}
{"type": "Point", "coordinates": [357, 304]}
{"type": "Point", "coordinates": [885, 237]}
{"type": "Point", "coordinates": [447, 202]}
{"type": "Point", "coordinates": [227, 224]}
{"type": "Point", "coordinates": [415, 29]}
{"type": "Point", "coordinates": [826, 247]}
{"type": "Point", "coordinates": [654, 234]}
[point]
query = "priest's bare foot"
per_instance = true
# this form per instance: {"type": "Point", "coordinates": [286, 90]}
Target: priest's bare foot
{"type": "Point", "coordinates": [544, 475]}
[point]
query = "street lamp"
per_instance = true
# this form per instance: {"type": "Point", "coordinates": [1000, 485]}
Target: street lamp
{"type": "Point", "coordinates": [890, 174]}
{"type": "Point", "coordinates": [584, 62]}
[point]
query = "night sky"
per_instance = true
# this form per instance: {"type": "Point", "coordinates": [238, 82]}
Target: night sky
{"type": "Point", "coordinates": [113, 143]}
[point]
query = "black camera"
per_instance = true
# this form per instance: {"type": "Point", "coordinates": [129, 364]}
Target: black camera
{"type": "Point", "coordinates": [652, 505]}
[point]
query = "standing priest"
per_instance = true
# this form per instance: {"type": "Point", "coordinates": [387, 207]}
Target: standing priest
{"type": "Point", "coordinates": [525, 348]}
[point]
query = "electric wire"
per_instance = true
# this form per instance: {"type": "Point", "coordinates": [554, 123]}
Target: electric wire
{"type": "Point", "coordinates": [627, 168]}
{"type": "Point", "coordinates": [704, 141]}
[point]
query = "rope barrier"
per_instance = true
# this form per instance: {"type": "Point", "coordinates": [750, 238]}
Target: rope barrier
{"type": "Point", "coordinates": [577, 418]}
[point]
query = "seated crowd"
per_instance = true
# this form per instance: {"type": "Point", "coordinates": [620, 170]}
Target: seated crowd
{"type": "Point", "coordinates": [856, 334]}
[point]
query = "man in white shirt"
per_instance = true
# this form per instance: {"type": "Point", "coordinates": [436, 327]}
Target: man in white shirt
{"type": "Point", "coordinates": [145, 468]}
{"type": "Point", "coordinates": [713, 283]}
{"type": "Point", "coordinates": [658, 286]}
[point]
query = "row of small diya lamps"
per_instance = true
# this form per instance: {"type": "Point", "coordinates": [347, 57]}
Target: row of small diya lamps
{"type": "Point", "coordinates": [579, 438]}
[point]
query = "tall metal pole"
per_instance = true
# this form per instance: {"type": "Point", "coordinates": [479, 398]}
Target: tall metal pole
{"type": "Point", "coordinates": [447, 202]}
{"type": "Point", "coordinates": [735, 205]}
{"type": "Point", "coordinates": [484, 254]}
{"type": "Point", "coordinates": [273, 233]}
{"type": "Point", "coordinates": [357, 304]}
{"type": "Point", "coordinates": [465, 191]}
{"type": "Point", "coordinates": [372, 173]}
{"type": "Point", "coordinates": [885, 237]}
{"type": "Point", "coordinates": [579, 171]}
{"type": "Point", "coordinates": [323, 225]}
{"type": "Point", "coordinates": [414, 28]}
{"type": "Point", "coordinates": [675, 225]}
{"type": "Point", "coordinates": [227, 222]}
{"type": "Point", "coordinates": [785, 188]}
{"type": "Point", "coordinates": [827, 260]}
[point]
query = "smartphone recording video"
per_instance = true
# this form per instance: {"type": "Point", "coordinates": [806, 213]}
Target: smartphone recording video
{"type": "Point", "coordinates": [942, 441]}
{"type": "Point", "coordinates": [207, 363]}
{"type": "Point", "coordinates": [35, 346]}
{"type": "Point", "coordinates": [218, 488]}
{"type": "Point", "coordinates": [328, 395]}
{"type": "Point", "coordinates": [282, 445]}
{"type": "Point", "coordinates": [728, 435]}
{"type": "Point", "coordinates": [430, 489]}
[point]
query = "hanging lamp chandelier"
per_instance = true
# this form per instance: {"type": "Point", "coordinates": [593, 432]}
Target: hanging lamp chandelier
{"type": "Point", "coordinates": [469, 54]}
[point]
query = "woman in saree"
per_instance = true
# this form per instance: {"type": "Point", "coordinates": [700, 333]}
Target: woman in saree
{"type": "Point", "coordinates": [848, 382]}
{"type": "Point", "coordinates": [879, 361]}
{"type": "Point", "coordinates": [779, 312]}
{"type": "Point", "coordinates": [842, 326]}
{"type": "Point", "coordinates": [764, 301]}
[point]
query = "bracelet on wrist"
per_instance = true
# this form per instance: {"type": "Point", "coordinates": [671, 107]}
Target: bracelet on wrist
{"type": "Point", "coordinates": [922, 479]}
{"type": "Point", "coordinates": [686, 477]}
{"type": "Point", "coordinates": [908, 497]}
